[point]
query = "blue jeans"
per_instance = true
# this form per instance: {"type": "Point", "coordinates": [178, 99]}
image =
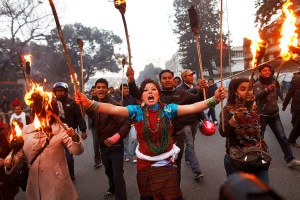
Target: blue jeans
{"type": "Point", "coordinates": [277, 128]}
{"type": "Point", "coordinates": [130, 143]}
{"type": "Point", "coordinates": [96, 146]}
{"type": "Point", "coordinates": [190, 154]}
{"type": "Point", "coordinates": [112, 159]}
{"type": "Point", "coordinates": [262, 175]}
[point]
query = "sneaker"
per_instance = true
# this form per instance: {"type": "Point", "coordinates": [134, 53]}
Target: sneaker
{"type": "Point", "coordinates": [197, 176]}
{"type": "Point", "coordinates": [293, 163]}
{"type": "Point", "coordinates": [134, 160]}
{"type": "Point", "coordinates": [216, 122]}
{"type": "Point", "coordinates": [127, 159]}
{"type": "Point", "coordinates": [97, 165]}
{"type": "Point", "coordinates": [107, 195]}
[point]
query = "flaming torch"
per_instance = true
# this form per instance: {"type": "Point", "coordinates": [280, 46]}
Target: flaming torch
{"type": "Point", "coordinates": [289, 36]}
{"type": "Point", "coordinates": [121, 6]}
{"type": "Point", "coordinates": [27, 68]}
{"type": "Point", "coordinates": [41, 102]}
{"type": "Point", "coordinates": [258, 48]}
{"type": "Point", "coordinates": [16, 139]}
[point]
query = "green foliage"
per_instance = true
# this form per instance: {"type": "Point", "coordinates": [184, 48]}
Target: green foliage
{"type": "Point", "coordinates": [98, 50]}
{"type": "Point", "coordinates": [209, 37]}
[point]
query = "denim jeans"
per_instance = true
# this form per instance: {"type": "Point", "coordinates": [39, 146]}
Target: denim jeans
{"type": "Point", "coordinates": [295, 133]}
{"type": "Point", "coordinates": [112, 159]}
{"type": "Point", "coordinates": [262, 175]}
{"type": "Point", "coordinates": [130, 143]}
{"type": "Point", "coordinates": [190, 154]}
{"type": "Point", "coordinates": [277, 128]}
{"type": "Point", "coordinates": [96, 146]}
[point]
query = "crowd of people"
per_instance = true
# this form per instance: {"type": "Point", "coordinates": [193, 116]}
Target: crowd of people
{"type": "Point", "coordinates": [153, 125]}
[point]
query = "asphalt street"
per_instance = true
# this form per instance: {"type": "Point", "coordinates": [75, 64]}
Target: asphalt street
{"type": "Point", "coordinates": [92, 183]}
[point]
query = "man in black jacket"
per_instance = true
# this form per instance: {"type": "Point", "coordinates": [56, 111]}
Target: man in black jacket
{"type": "Point", "coordinates": [169, 94]}
{"type": "Point", "coordinates": [70, 114]}
{"type": "Point", "coordinates": [294, 94]}
{"type": "Point", "coordinates": [112, 129]}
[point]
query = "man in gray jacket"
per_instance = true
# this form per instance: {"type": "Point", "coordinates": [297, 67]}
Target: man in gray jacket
{"type": "Point", "coordinates": [267, 107]}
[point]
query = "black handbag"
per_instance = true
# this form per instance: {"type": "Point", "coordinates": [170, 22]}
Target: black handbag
{"type": "Point", "coordinates": [250, 158]}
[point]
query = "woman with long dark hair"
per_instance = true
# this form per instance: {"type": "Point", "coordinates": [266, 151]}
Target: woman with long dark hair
{"type": "Point", "coordinates": [157, 175]}
{"type": "Point", "coordinates": [241, 122]}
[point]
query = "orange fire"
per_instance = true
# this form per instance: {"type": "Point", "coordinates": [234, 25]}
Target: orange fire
{"type": "Point", "coordinates": [256, 48]}
{"type": "Point", "coordinates": [47, 98]}
{"type": "Point", "coordinates": [288, 31]}
{"type": "Point", "coordinates": [17, 130]}
{"type": "Point", "coordinates": [119, 2]}
{"type": "Point", "coordinates": [28, 58]}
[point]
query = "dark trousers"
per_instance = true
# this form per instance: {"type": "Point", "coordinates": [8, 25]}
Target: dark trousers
{"type": "Point", "coordinates": [212, 113]}
{"type": "Point", "coordinates": [112, 159]}
{"type": "Point", "coordinates": [178, 138]}
{"type": "Point", "coordinates": [277, 128]}
{"type": "Point", "coordinates": [295, 133]}
{"type": "Point", "coordinates": [96, 146]}
{"type": "Point", "coordinates": [70, 161]}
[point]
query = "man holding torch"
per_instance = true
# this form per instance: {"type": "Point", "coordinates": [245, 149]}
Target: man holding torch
{"type": "Point", "coordinates": [267, 107]}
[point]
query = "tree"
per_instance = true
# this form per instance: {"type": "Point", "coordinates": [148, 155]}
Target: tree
{"type": "Point", "coordinates": [98, 50]}
{"type": "Point", "coordinates": [149, 72]}
{"type": "Point", "coordinates": [209, 36]}
{"type": "Point", "coordinates": [25, 24]}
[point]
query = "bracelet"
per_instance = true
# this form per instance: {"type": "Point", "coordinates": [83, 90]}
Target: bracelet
{"type": "Point", "coordinates": [211, 102]}
{"type": "Point", "coordinates": [94, 106]}
{"type": "Point", "coordinates": [91, 104]}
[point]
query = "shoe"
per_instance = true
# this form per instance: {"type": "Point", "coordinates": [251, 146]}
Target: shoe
{"type": "Point", "coordinates": [293, 163]}
{"type": "Point", "coordinates": [134, 160]}
{"type": "Point", "coordinates": [127, 159]}
{"type": "Point", "coordinates": [197, 176]}
{"type": "Point", "coordinates": [294, 144]}
{"type": "Point", "coordinates": [107, 195]}
{"type": "Point", "coordinates": [216, 122]}
{"type": "Point", "coordinates": [97, 165]}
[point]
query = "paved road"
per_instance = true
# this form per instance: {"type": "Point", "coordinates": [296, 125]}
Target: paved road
{"type": "Point", "coordinates": [92, 183]}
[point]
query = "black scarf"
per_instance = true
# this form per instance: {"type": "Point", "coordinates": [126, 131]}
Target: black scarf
{"type": "Point", "coordinates": [265, 80]}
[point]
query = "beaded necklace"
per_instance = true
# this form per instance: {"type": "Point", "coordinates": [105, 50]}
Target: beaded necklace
{"type": "Point", "coordinates": [160, 124]}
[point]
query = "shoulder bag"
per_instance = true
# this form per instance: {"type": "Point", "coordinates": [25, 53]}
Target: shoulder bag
{"type": "Point", "coordinates": [250, 158]}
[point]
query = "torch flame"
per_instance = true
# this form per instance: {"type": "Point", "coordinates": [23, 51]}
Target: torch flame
{"type": "Point", "coordinates": [28, 58]}
{"type": "Point", "coordinates": [119, 2]}
{"type": "Point", "coordinates": [36, 122]}
{"type": "Point", "coordinates": [47, 98]}
{"type": "Point", "coordinates": [288, 31]}
{"type": "Point", "coordinates": [256, 46]}
{"type": "Point", "coordinates": [17, 130]}
{"type": "Point", "coordinates": [36, 88]}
